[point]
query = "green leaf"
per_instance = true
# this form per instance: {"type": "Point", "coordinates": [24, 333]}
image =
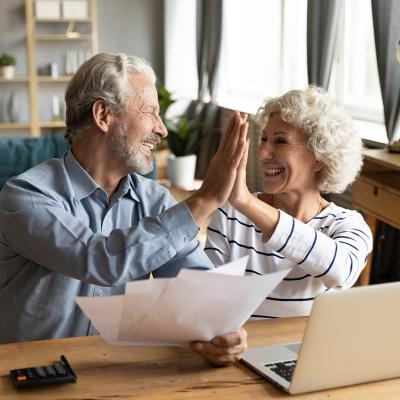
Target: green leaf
{"type": "Point", "coordinates": [164, 99]}
{"type": "Point", "coordinates": [6, 60]}
{"type": "Point", "coordinates": [183, 136]}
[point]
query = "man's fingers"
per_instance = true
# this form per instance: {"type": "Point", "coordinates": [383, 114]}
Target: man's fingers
{"type": "Point", "coordinates": [234, 133]}
{"type": "Point", "coordinates": [230, 339]}
{"type": "Point", "coordinates": [220, 355]}
{"type": "Point", "coordinates": [240, 146]}
{"type": "Point", "coordinates": [232, 123]}
{"type": "Point", "coordinates": [223, 350]}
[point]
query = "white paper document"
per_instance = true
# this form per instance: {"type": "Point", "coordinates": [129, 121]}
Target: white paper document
{"type": "Point", "coordinates": [196, 305]}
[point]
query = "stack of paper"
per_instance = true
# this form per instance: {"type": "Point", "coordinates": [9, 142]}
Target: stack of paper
{"type": "Point", "coordinates": [196, 305]}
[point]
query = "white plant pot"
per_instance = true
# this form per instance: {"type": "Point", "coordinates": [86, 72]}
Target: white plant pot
{"type": "Point", "coordinates": [7, 72]}
{"type": "Point", "coordinates": [181, 170]}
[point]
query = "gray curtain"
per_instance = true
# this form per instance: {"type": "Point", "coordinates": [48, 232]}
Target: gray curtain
{"type": "Point", "coordinates": [209, 30]}
{"type": "Point", "coordinates": [203, 110]}
{"type": "Point", "coordinates": [322, 26]}
{"type": "Point", "coordinates": [386, 18]}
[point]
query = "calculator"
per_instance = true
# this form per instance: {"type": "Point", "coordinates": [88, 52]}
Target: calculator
{"type": "Point", "coordinates": [60, 372]}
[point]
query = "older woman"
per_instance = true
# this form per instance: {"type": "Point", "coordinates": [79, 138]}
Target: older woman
{"type": "Point", "coordinates": [308, 147]}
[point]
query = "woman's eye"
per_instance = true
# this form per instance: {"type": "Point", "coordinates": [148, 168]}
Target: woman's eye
{"type": "Point", "coordinates": [264, 140]}
{"type": "Point", "coordinates": [280, 141]}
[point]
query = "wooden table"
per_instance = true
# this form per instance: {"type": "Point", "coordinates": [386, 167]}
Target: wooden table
{"type": "Point", "coordinates": [119, 372]}
{"type": "Point", "coordinates": [377, 191]}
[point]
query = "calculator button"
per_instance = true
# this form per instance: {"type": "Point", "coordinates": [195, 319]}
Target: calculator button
{"type": "Point", "coordinates": [60, 369]}
{"type": "Point", "coordinates": [50, 370]}
{"type": "Point", "coordinates": [41, 372]}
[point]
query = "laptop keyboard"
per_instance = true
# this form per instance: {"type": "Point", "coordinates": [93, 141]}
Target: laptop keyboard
{"type": "Point", "coordinates": [284, 369]}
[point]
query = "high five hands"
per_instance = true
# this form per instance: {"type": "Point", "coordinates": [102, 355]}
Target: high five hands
{"type": "Point", "coordinates": [226, 176]}
{"type": "Point", "coordinates": [225, 180]}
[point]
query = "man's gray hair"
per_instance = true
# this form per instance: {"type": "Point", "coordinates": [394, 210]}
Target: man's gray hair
{"type": "Point", "coordinates": [102, 77]}
{"type": "Point", "coordinates": [329, 131]}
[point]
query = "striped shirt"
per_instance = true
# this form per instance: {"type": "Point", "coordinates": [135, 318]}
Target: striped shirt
{"type": "Point", "coordinates": [327, 252]}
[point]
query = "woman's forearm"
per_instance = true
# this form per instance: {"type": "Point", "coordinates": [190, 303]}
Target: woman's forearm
{"type": "Point", "coordinates": [261, 214]}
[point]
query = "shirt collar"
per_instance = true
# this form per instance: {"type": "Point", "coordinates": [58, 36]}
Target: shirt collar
{"type": "Point", "coordinates": [84, 185]}
{"type": "Point", "coordinates": [127, 187]}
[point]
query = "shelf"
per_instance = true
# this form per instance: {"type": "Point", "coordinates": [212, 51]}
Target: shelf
{"type": "Point", "coordinates": [49, 79]}
{"type": "Point", "coordinates": [17, 79]}
{"type": "Point", "coordinates": [52, 124]}
{"type": "Point", "coordinates": [47, 39]}
{"type": "Point", "coordinates": [62, 20]}
{"type": "Point", "coordinates": [63, 37]}
{"type": "Point", "coordinates": [14, 125]}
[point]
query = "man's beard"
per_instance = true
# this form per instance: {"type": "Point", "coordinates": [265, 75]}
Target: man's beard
{"type": "Point", "coordinates": [129, 153]}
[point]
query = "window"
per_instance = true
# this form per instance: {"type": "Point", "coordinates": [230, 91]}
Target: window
{"type": "Point", "coordinates": [264, 54]}
{"type": "Point", "coordinates": [180, 48]}
{"type": "Point", "coordinates": [259, 57]}
{"type": "Point", "coordinates": [357, 81]}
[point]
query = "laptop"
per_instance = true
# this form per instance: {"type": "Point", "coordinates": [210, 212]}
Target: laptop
{"type": "Point", "coordinates": [352, 336]}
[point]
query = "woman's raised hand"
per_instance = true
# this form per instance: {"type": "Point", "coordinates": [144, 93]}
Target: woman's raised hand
{"type": "Point", "coordinates": [240, 193]}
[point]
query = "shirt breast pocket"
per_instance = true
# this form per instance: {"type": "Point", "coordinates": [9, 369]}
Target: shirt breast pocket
{"type": "Point", "coordinates": [52, 295]}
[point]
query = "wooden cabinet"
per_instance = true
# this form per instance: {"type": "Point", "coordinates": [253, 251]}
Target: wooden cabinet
{"type": "Point", "coordinates": [47, 42]}
{"type": "Point", "coordinates": [377, 191]}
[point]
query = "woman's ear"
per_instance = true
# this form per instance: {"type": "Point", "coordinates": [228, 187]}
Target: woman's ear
{"type": "Point", "coordinates": [318, 165]}
{"type": "Point", "coordinates": [102, 115]}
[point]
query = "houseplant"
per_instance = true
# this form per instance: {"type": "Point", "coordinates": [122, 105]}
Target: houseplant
{"type": "Point", "coordinates": [178, 151]}
{"type": "Point", "coordinates": [7, 66]}
{"type": "Point", "coordinates": [183, 140]}
{"type": "Point", "coordinates": [165, 99]}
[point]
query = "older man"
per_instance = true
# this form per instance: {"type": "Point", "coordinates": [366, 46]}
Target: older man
{"type": "Point", "coordinates": [86, 224]}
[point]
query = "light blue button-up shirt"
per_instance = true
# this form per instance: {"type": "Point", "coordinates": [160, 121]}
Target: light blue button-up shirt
{"type": "Point", "coordinates": [61, 237]}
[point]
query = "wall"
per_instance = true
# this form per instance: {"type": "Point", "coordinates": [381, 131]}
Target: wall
{"type": "Point", "coordinates": [131, 26]}
{"type": "Point", "coordinates": [134, 27]}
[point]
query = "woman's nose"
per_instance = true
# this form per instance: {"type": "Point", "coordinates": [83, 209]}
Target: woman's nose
{"type": "Point", "coordinates": [265, 151]}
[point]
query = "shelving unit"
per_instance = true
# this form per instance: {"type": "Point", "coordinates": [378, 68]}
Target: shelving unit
{"type": "Point", "coordinates": [47, 37]}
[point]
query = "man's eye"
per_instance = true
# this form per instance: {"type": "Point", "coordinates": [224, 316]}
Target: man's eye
{"type": "Point", "coordinates": [264, 140]}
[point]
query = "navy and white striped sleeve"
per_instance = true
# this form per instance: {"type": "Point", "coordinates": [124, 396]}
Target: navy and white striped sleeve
{"type": "Point", "coordinates": [335, 260]}
{"type": "Point", "coordinates": [217, 245]}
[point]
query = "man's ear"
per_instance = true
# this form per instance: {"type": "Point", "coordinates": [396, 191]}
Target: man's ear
{"type": "Point", "coordinates": [102, 115]}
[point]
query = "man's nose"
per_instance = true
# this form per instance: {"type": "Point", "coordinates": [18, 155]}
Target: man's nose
{"type": "Point", "coordinates": [160, 127]}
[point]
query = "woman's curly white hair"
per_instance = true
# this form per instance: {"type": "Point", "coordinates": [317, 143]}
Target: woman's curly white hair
{"type": "Point", "coordinates": [329, 130]}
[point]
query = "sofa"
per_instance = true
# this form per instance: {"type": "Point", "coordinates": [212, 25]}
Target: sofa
{"type": "Point", "coordinates": [19, 154]}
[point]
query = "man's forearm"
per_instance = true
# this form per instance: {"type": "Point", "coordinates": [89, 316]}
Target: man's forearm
{"type": "Point", "coordinates": [201, 207]}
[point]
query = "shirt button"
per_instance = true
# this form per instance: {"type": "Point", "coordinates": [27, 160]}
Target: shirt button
{"type": "Point", "coordinates": [186, 239]}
